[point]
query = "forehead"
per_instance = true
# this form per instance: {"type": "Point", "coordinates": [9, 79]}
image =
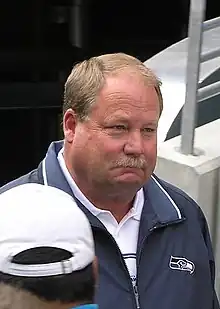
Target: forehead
{"type": "Point", "coordinates": [128, 93]}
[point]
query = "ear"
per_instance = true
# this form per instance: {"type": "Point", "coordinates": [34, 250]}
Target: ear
{"type": "Point", "coordinates": [69, 125]}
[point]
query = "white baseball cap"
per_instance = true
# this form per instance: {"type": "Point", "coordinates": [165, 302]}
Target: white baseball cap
{"type": "Point", "coordinates": [33, 215]}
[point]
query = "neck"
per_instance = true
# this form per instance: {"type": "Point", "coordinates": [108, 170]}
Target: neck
{"type": "Point", "coordinates": [118, 207]}
{"type": "Point", "coordinates": [118, 204]}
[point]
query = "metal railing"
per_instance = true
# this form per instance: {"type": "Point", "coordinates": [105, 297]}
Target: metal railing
{"type": "Point", "coordinates": [193, 95]}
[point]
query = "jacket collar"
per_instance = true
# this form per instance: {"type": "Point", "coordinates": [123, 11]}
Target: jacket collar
{"type": "Point", "coordinates": [51, 171]}
{"type": "Point", "coordinates": [159, 207]}
{"type": "Point", "coordinates": [163, 205]}
{"type": "Point", "coordinates": [53, 176]}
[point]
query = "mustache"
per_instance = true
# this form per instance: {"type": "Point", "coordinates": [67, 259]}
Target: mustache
{"type": "Point", "coordinates": [131, 162]}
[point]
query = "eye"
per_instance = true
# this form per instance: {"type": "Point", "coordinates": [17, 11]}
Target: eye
{"type": "Point", "coordinates": [149, 130]}
{"type": "Point", "coordinates": [119, 127]}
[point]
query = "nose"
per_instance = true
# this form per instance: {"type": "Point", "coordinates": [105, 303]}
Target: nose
{"type": "Point", "coordinates": [134, 144]}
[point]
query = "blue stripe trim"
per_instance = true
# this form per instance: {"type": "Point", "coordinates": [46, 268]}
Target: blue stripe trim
{"type": "Point", "coordinates": [88, 306]}
{"type": "Point", "coordinates": [163, 205]}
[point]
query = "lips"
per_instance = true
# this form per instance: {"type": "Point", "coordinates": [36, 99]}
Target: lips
{"type": "Point", "coordinates": [130, 170]}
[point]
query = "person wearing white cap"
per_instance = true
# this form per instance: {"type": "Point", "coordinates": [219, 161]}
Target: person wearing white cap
{"type": "Point", "coordinates": [47, 258]}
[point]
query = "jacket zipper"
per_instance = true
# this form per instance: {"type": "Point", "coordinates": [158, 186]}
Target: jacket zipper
{"type": "Point", "coordinates": [138, 264]}
{"type": "Point", "coordinates": [132, 288]}
{"type": "Point", "coordinates": [151, 230]}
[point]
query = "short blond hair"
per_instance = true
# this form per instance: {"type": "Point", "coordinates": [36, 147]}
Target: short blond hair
{"type": "Point", "coordinates": [88, 77]}
{"type": "Point", "coordinates": [14, 298]}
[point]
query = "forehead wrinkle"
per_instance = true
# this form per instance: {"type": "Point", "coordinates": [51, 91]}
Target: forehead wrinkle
{"type": "Point", "coordinates": [121, 96]}
{"type": "Point", "coordinates": [123, 108]}
{"type": "Point", "coordinates": [124, 103]}
{"type": "Point", "coordinates": [129, 116]}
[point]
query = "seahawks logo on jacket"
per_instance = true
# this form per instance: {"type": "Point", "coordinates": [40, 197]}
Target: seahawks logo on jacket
{"type": "Point", "coordinates": [181, 263]}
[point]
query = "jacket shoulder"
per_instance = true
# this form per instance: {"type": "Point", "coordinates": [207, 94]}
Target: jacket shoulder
{"type": "Point", "coordinates": [188, 207]}
{"type": "Point", "coordinates": [179, 196]}
{"type": "Point", "coordinates": [28, 178]}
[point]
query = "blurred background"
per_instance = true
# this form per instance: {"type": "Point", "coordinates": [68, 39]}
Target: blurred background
{"type": "Point", "coordinates": [41, 40]}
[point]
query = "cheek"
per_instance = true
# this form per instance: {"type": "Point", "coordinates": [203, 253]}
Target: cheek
{"type": "Point", "coordinates": [112, 147]}
{"type": "Point", "coordinates": [89, 147]}
{"type": "Point", "coordinates": [80, 148]}
{"type": "Point", "coordinates": [80, 142]}
{"type": "Point", "coordinates": [150, 150]}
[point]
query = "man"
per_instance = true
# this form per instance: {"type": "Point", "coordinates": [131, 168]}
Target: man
{"type": "Point", "coordinates": [151, 239]}
{"type": "Point", "coordinates": [47, 256]}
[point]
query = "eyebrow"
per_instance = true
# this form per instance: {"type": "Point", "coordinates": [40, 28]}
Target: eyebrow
{"type": "Point", "coordinates": [124, 119]}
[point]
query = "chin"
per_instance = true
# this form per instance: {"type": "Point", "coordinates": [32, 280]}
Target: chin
{"type": "Point", "coordinates": [130, 182]}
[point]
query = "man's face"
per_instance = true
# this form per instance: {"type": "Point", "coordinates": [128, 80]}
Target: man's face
{"type": "Point", "coordinates": [116, 147]}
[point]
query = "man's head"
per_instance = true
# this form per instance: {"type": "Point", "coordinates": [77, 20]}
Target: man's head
{"type": "Point", "coordinates": [46, 250]}
{"type": "Point", "coordinates": [112, 104]}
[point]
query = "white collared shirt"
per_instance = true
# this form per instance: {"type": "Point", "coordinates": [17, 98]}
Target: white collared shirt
{"type": "Point", "coordinates": [125, 233]}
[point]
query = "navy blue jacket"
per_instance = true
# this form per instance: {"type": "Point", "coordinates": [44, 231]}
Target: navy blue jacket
{"type": "Point", "coordinates": [175, 265]}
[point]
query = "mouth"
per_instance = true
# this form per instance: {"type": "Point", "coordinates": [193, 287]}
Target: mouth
{"type": "Point", "coordinates": [130, 170]}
